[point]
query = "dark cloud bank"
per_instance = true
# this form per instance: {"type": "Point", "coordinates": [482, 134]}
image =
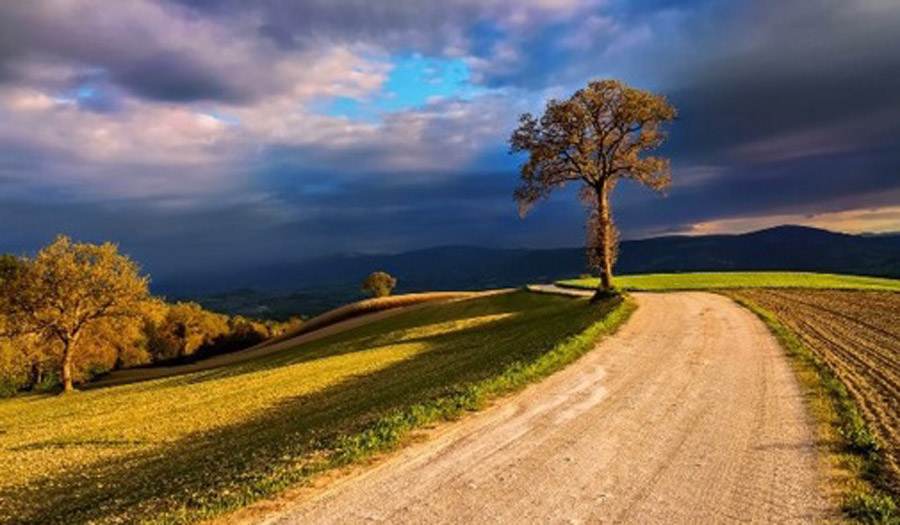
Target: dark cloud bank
{"type": "Point", "coordinates": [786, 108]}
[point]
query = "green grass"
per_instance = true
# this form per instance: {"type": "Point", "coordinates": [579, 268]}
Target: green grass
{"type": "Point", "coordinates": [852, 450]}
{"type": "Point", "coordinates": [186, 448]}
{"type": "Point", "coordinates": [722, 280]}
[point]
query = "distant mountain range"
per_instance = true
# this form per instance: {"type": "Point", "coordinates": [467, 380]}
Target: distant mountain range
{"type": "Point", "coordinates": [321, 283]}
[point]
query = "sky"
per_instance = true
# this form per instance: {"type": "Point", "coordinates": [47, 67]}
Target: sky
{"type": "Point", "coordinates": [228, 134]}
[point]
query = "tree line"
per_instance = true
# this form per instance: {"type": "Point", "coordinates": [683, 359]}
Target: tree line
{"type": "Point", "coordinates": [78, 310]}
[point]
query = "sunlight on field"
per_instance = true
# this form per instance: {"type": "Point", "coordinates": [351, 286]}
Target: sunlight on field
{"type": "Point", "coordinates": [702, 281]}
{"type": "Point", "coordinates": [94, 425]}
{"type": "Point", "coordinates": [160, 447]}
{"type": "Point", "coordinates": [73, 431]}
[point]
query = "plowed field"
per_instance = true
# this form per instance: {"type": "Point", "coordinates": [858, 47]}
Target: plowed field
{"type": "Point", "coordinates": [857, 333]}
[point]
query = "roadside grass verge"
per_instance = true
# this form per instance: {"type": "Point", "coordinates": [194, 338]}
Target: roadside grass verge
{"type": "Point", "coordinates": [191, 447]}
{"type": "Point", "coordinates": [853, 454]}
{"type": "Point", "coordinates": [725, 280]}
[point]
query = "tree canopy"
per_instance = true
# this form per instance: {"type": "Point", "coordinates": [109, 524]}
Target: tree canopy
{"type": "Point", "coordinates": [379, 284]}
{"type": "Point", "coordinates": [599, 135]}
{"type": "Point", "coordinates": [67, 290]}
{"type": "Point", "coordinates": [77, 310]}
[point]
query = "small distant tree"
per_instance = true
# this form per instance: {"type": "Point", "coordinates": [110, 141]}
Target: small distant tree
{"type": "Point", "coordinates": [597, 136]}
{"type": "Point", "coordinates": [68, 289]}
{"type": "Point", "coordinates": [379, 284]}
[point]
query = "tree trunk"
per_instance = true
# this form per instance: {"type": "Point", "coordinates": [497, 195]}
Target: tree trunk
{"type": "Point", "coordinates": [606, 236]}
{"type": "Point", "coordinates": [605, 241]}
{"type": "Point", "coordinates": [67, 366]}
{"type": "Point", "coordinates": [37, 374]}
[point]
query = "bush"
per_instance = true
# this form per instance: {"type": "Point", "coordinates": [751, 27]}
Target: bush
{"type": "Point", "coordinates": [49, 382]}
{"type": "Point", "coordinates": [379, 284]}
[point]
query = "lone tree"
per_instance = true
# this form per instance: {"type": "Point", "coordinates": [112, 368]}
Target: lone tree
{"type": "Point", "coordinates": [379, 284]}
{"type": "Point", "coordinates": [597, 137]}
{"type": "Point", "coordinates": [68, 288]}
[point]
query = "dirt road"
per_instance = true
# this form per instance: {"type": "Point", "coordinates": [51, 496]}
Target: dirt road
{"type": "Point", "coordinates": [690, 414]}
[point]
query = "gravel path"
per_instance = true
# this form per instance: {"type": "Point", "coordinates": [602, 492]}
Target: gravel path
{"type": "Point", "coordinates": [690, 414]}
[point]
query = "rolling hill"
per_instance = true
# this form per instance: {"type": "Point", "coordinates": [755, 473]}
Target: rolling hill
{"type": "Point", "coordinates": [314, 285]}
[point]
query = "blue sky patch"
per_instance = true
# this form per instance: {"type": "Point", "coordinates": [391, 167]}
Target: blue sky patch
{"type": "Point", "coordinates": [97, 98]}
{"type": "Point", "coordinates": [414, 81]}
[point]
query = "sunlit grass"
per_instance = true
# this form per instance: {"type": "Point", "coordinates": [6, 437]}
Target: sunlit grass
{"type": "Point", "coordinates": [185, 447]}
{"type": "Point", "coordinates": [713, 280]}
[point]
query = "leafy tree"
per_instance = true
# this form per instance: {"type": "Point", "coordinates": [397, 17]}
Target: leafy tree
{"type": "Point", "coordinates": [118, 342]}
{"type": "Point", "coordinates": [68, 290]}
{"type": "Point", "coordinates": [17, 363]}
{"type": "Point", "coordinates": [379, 284]}
{"type": "Point", "coordinates": [185, 328]}
{"type": "Point", "coordinates": [597, 136]}
{"type": "Point", "coordinates": [241, 333]}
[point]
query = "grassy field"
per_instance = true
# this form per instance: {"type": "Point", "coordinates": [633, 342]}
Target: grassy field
{"type": "Point", "coordinates": [188, 447]}
{"type": "Point", "coordinates": [722, 280]}
{"type": "Point", "coordinates": [851, 341]}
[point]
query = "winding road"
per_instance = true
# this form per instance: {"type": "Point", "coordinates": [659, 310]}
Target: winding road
{"type": "Point", "coordinates": [689, 414]}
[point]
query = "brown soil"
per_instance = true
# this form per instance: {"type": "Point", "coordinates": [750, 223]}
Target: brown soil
{"type": "Point", "coordinates": [857, 333]}
{"type": "Point", "coordinates": [690, 414]}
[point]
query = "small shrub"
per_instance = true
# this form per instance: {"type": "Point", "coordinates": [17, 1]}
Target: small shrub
{"type": "Point", "coordinates": [49, 382]}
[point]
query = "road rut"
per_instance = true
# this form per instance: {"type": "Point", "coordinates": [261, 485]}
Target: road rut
{"type": "Point", "coordinates": [689, 414]}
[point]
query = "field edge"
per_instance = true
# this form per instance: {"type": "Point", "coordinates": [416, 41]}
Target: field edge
{"type": "Point", "coordinates": [713, 281]}
{"type": "Point", "coordinates": [388, 433]}
{"type": "Point", "coordinates": [851, 451]}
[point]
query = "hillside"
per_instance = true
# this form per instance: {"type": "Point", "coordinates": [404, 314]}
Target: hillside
{"type": "Point", "coordinates": [790, 248]}
{"type": "Point", "coordinates": [182, 448]}
{"type": "Point", "coordinates": [319, 284]}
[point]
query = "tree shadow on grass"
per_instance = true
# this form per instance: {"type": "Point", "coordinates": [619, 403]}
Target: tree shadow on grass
{"type": "Point", "coordinates": [236, 464]}
{"type": "Point", "coordinates": [386, 332]}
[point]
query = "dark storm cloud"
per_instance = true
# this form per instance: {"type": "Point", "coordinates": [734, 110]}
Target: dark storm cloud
{"type": "Point", "coordinates": [411, 24]}
{"type": "Point", "coordinates": [799, 187]}
{"type": "Point", "coordinates": [170, 76]}
{"type": "Point", "coordinates": [791, 67]}
{"type": "Point", "coordinates": [785, 108]}
{"type": "Point", "coordinates": [798, 104]}
{"type": "Point", "coordinates": [364, 217]}
{"type": "Point", "coordinates": [151, 62]}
